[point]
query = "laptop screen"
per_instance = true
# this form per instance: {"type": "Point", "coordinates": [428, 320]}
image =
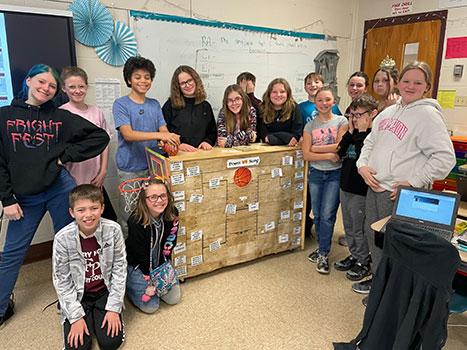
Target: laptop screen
{"type": "Point", "coordinates": [427, 206]}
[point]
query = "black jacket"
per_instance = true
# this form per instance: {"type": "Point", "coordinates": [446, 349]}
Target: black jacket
{"type": "Point", "coordinates": [194, 123]}
{"type": "Point", "coordinates": [32, 138]}
{"type": "Point", "coordinates": [280, 133]}
{"type": "Point", "coordinates": [349, 150]}
{"type": "Point", "coordinates": [139, 241]}
{"type": "Point", "coordinates": [410, 293]}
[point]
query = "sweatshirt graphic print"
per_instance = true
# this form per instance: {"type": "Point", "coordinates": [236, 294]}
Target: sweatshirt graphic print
{"type": "Point", "coordinates": [33, 133]}
{"type": "Point", "coordinates": [325, 136]}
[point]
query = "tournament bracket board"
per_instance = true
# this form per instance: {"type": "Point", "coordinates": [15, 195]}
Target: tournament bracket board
{"type": "Point", "coordinates": [236, 205]}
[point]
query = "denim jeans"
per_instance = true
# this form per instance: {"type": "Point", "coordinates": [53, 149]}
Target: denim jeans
{"type": "Point", "coordinates": [324, 192]}
{"type": "Point", "coordinates": [21, 232]}
{"type": "Point", "coordinates": [136, 286]}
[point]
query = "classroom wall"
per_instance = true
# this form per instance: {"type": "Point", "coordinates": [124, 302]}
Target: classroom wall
{"type": "Point", "coordinates": [331, 17]}
{"type": "Point", "coordinates": [456, 118]}
{"type": "Point", "coordinates": [342, 19]}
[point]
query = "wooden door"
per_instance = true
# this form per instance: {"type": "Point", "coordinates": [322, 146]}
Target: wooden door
{"type": "Point", "coordinates": [405, 39]}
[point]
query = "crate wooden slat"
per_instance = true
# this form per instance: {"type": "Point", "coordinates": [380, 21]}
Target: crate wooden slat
{"type": "Point", "coordinates": [209, 238]}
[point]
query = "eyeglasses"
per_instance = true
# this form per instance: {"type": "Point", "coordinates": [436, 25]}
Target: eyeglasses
{"type": "Point", "coordinates": [236, 100]}
{"type": "Point", "coordinates": [79, 87]}
{"type": "Point", "coordinates": [187, 82]}
{"type": "Point", "coordinates": [153, 198]}
{"type": "Point", "coordinates": [356, 115]}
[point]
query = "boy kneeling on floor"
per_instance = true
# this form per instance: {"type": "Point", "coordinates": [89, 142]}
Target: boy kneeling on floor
{"type": "Point", "coordinates": [89, 273]}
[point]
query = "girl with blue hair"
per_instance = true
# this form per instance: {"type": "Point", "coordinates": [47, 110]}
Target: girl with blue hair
{"type": "Point", "coordinates": [36, 140]}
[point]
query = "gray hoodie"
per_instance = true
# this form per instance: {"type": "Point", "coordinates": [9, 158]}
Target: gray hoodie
{"type": "Point", "coordinates": [69, 268]}
{"type": "Point", "coordinates": [409, 143]}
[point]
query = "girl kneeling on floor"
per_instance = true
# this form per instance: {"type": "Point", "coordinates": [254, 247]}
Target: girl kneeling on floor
{"type": "Point", "coordinates": [152, 234]}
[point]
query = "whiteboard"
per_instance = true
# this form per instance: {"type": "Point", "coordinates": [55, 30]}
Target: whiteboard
{"type": "Point", "coordinates": [219, 54]}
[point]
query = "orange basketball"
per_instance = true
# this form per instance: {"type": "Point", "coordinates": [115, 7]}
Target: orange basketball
{"type": "Point", "coordinates": [242, 177]}
{"type": "Point", "coordinates": [166, 148]}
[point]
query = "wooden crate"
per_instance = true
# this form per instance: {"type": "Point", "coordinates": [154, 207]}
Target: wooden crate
{"type": "Point", "coordinates": [222, 224]}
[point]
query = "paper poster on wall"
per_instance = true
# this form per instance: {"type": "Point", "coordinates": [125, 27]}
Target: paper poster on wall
{"type": "Point", "coordinates": [401, 8]}
{"type": "Point", "coordinates": [456, 47]}
{"type": "Point", "coordinates": [446, 98]}
{"type": "Point", "coordinates": [444, 4]}
{"type": "Point", "coordinates": [107, 91]}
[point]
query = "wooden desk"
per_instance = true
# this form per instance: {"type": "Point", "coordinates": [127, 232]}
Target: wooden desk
{"type": "Point", "coordinates": [378, 225]}
{"type": "Point", "coordinates": [223, 223]}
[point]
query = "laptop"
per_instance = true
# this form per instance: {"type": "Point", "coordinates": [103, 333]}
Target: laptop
{"type": "Point", "coordinates": [433, 211]}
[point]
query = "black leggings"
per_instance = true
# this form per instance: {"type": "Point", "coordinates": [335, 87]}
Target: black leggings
{"type": "Point", "coordinates": [94, 307]}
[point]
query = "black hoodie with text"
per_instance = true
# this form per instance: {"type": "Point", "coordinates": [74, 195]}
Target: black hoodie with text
{"type": "Point", "coordinates": [33, 138]}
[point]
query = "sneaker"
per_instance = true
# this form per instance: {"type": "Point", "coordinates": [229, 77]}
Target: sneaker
{"type": "Point", "coordinates": [313, 257]}
{"type": "Point", "coordinates": [9, 311]}
{"type": "Point", "coordinates": [359, 271]}
{"type": "Point", "coordinates": [362, 287]}
{"type": "Point", "coordinates": [365, 300]}
{"type": "Point", "coordinates": [346, 264]}
{"type": "Point", "coordinates": [323, 264]}
{"type": "Point", "coordinates": [342, 240]}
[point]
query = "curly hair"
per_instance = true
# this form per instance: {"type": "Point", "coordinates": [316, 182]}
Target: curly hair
{"type": "Point", "coordinates": [137, 62]}
{"type": "Point", "coordinates": [142, 213]}
{"type": "Point", "coordinates": [230, 119]}
{"type": "Point", "coordinates": [176, 96]}
{"type": "Point", "coordinates": [266, 107]}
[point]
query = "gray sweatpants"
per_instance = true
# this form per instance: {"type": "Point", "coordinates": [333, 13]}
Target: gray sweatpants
{"type": "Point", "coordinates": [353, 217]}
{"type": "Point", "coordinates": [378, 205]}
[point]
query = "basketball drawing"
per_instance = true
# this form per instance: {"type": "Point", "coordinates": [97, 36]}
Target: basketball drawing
{"type": "Point", "coordinates": [242, 177]}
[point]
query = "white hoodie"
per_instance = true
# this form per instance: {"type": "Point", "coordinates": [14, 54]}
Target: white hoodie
{"type": "Point", "coordinates": [409, 143]}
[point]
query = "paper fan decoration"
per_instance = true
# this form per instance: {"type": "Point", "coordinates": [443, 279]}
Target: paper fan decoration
{"type": "Point", "coordinates": [92, 22]}
{"type": "Point", "coordinates": [120, 47]}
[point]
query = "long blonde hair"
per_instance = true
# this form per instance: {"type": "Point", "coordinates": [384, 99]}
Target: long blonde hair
{"type": "Point", "coordinates": [142, 213]}
{"type": "Point", "coordinates": [176, 96]}
{"type": "Point", "coordinates": [230, 119]}
{"type": "Point", "coordinates": [266, 107]}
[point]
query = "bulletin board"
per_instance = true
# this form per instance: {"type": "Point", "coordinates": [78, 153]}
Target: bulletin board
{"type": "Point", "coordinates": [219, 51]}
{"type": "Point", "coordinates": [237, 205]}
